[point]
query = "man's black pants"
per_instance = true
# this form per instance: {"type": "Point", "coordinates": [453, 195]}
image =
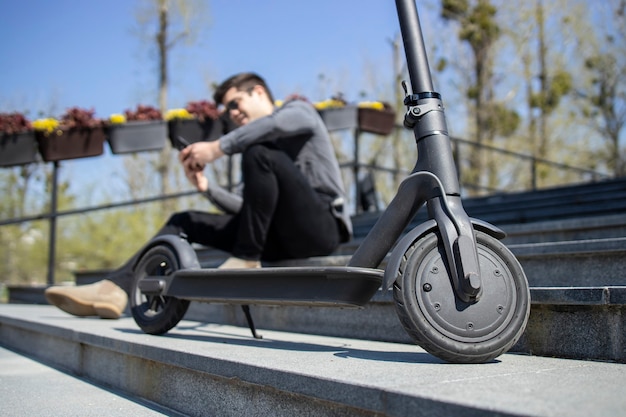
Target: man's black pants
{"type": "Point", "coordinates": [282, 217]}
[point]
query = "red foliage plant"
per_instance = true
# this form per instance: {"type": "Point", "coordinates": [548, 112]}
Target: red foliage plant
{"type": "Point", "coordinates": [75, 118]}
{"type": "Point", "coordinates": [296, 96]}
{"type": "Point", "coordinates": [12, 123]}
{"type": "Point", "coordinates": [203, 109]}
{"type": "Point", "coordinates": [143, 112]}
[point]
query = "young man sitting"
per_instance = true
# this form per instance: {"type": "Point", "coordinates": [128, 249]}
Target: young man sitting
{"type": "Point", "coordinates": [293, 195]}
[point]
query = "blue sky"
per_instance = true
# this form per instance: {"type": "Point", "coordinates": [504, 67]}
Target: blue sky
{"type": "Point", "coordinates": [63, 53]}
{"type": "Point", "coordinates": [56, 54]}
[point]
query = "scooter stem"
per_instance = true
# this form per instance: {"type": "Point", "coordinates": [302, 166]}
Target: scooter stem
{"type": "Point", "coordinates": [426, 116]}
{"type": "Point", "coordinates": [414, 48]}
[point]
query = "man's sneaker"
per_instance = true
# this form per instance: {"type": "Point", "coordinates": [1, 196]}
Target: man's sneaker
{"type": "Point", "coordinates": [103, 298]}
{"type": "Point", "coordinates": [238, 263]}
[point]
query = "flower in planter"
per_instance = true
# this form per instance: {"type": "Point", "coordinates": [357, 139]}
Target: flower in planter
{"type": "Point", "coordinates": [73, 118]}
{"type": "Point", "coordinates": [376, 117]}
{"type": "Point", "coordinates": [17, 140]}
{"type": "Point", "coordinates": [117, 119]}
{"type": "Point", "coordinates": [290, 97]}
{"type": "Point", "coordinates": [178, 114]}
{"type": "Point", "coordinates": [203, 110]}
{"type": "Point", "coordinates": [143, 112]}
{"type": "Point", "coordinates": [138, 130]}
{"type": "Point", "coordinates": [12, 123]}
{"type": "Point", "coordinates": [331, 103]}
{"type": "Point", "coordinates": [199, 120]}
{"type": "Point", "coordinates": [375, 105]}
{"type": "Point", "coordinates": [47, 125]}
{"type": "Point", "coordinates": [77, 134]}
{"type": "Point", "coordinates": [336, 113]}
{"type": "Point", "coordinates": [200, 110]}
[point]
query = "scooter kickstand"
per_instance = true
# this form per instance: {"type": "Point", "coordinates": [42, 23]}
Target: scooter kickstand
{"type": "Point", "coordinates": [246, 311]}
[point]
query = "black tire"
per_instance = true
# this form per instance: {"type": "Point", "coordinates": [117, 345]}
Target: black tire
{"type": "Point", "coordinates": [449, 328]}
{"type": "Point", "coordinates": [156, 314]}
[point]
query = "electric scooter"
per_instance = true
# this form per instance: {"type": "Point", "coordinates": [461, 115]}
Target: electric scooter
{"type": "Point", "coordinates": [459, 292]}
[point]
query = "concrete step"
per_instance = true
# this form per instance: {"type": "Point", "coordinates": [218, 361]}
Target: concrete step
{"type": "Point", "coordinates": [31, 388]}
{"type": "Point", "coordinates": [565, 322]}
{"type": "Point", "coordinates": [560, 230]}
{"type": "Point", "coordinates": [584, 263]}
{"type": "Point", "coordinates": [582, 228]}
{"type": "Point", "coordinates": [594, 258]}
{"type": "Point", "coordinates": [553, 232]}
{"type": "Point", "coordinates": [591, 262]}
{"type": "Point", "coordinates": [578, 201]}
{"type": "Point", "coordinates": [208, 369]}
{"type": "Point", "coordinates": [555, 324]}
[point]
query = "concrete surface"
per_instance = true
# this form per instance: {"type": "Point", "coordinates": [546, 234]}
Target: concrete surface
{"type": "Point", "coordinates": [30, 388]}
{"type": "Point", "coordinates": [209, 369]}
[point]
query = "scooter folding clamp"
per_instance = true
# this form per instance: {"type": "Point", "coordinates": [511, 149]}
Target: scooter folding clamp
{"type": "Point", "coordinates": [420, 104]}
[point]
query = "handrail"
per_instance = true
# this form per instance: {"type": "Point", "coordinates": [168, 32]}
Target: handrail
{"type": "Point", "coordinates": [44, 216]}
{"type": "Point", "coordinates": [354, 165]}
{"type": "Point", "coordinates": [528, 157]}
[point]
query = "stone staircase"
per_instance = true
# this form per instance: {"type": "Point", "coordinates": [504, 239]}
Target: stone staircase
{"type": "Point", "coordinates": [359, 361]}
{"type": "Point", "coordinates": [204, 369]}
{"type": "Point", "coordinates": [571, 242]}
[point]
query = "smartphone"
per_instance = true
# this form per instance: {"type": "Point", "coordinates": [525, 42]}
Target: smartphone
{"type": "Point", "coordinates": [180, 143]}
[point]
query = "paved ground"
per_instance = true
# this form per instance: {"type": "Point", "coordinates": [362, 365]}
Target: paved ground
{"type": "Point", "coordinates": [30, 388]}
{"type": "Point", "coordinates": [384, 376]}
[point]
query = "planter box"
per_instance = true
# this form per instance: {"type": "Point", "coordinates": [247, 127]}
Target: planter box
{"type": "Point", "coordinates": [17, 149]}
{"type": "Point", "coordinates": [193, 130]}
{"type": "Point", "coordinates": [71, 144]}
{"type": "Point", "coordinates": [339, 118]}
{"type": "Point", "coordinates": [137, 136]}
{"type": "Point", "coordinates": [380, 122]}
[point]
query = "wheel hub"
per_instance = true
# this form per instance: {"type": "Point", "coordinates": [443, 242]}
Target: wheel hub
{"type": "Point", "coordinates": [474, 321]}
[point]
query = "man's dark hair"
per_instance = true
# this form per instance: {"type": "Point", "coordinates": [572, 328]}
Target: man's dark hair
{"type": "Point", "coordinates": [244, 81]}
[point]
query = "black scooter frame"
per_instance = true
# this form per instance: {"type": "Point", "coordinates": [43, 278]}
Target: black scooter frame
{"type": "Point", "coordinates": [433, 182]}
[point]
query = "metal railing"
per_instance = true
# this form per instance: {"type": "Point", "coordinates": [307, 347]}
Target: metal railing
{"type": "Point", "coordinates": [355, 166]}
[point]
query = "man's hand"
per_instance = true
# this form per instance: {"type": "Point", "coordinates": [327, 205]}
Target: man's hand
{"type": "Point", "coordinates": [199, 180]}
{"type": "Point", "coordinates": [194, 159]}
{"type": "Point", "coordinates": [195, 156]}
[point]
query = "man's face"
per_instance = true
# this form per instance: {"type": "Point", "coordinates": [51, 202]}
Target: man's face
{"type": "Point", "coordinates": [245, 106]}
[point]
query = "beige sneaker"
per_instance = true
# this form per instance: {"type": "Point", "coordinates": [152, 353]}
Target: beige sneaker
{"type": "Point", "coordinates": [238, 263]}
{"type": "Point", "coordinates": [103, 298]}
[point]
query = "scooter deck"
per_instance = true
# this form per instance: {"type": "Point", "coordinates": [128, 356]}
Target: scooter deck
{"type": "Point", "coordinates": [305, 286]}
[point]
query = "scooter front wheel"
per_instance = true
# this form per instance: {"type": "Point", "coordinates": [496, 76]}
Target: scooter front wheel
{"type": "Point", "coordinates": [156, 314]}
{"type": "Point", "coordinates": [449, 328]}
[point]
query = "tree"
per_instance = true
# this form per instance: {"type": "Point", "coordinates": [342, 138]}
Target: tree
{"type": "Point", "coordinates": [552, 87]}
{"type": "Point", "coordinates": [176, 21]}
{"type": "Point", "coordinates": [604, 98]}
{"type": "Point", "coordinates": [480, 30]}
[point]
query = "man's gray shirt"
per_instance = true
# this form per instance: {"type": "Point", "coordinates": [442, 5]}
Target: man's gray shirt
{"type": "Point", "coordinates": [297, 128]}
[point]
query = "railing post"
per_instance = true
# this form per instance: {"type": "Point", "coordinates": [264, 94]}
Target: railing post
{"type": "Point", "coordinates": [53, 223]}
{"type": "Point", "coordinates": [533, 173]}
{"type": "Point", "coordinates": [355, 170]}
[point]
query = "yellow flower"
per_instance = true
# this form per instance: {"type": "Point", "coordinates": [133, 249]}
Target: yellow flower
{"type": "Point", "coordinates": [117, 119]}
{"type": "Point", "coordinates": [178, 114]}
{"type": "Point", "coordinates": [329, 104]}
{"type": "Point", "coordinates": [376, 105]}
{"type": "Point", "coordinates": [47, 125]}
{"type": "Point", "coordinates": [278, 103]}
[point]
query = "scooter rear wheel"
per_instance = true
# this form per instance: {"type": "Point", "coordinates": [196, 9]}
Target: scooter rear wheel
{"type": "Point", "coordinates": [449, 328]}
{"type": "Point", "coordinates": [156, 314]}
